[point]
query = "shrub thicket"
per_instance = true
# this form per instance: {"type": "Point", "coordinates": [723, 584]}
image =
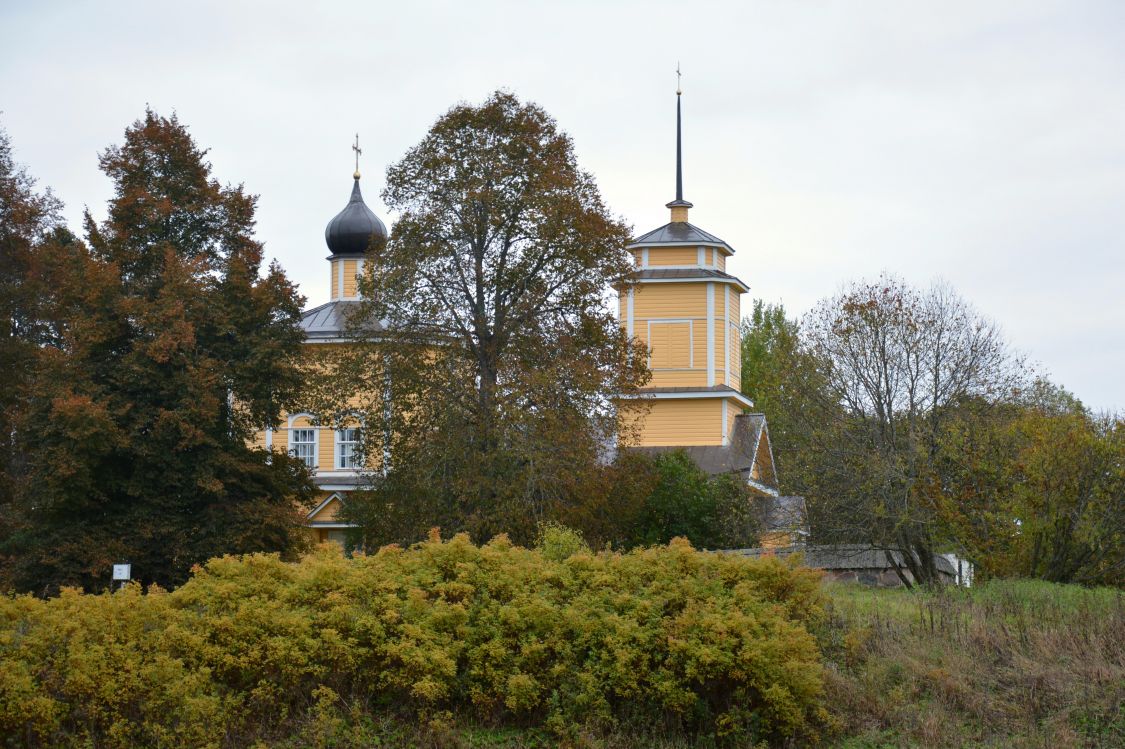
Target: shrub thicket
{"type": "Point", "coordinates": [254, 649]}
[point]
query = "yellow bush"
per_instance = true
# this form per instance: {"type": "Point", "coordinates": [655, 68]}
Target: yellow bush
{"type": "Point", "coordinates": [251, 647]}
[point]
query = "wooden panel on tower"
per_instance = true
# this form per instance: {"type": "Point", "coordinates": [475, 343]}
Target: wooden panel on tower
{"type": "Point", "coordinates": [663, 256]}
{"type": "Point", "coordinates": [670, 300]}
{"type": "Point", "coordinates": [351, 269]}
{"type": "Point", "coordinates": [671, 345]}
{"type": "Point", "coordinates": [691, 421]}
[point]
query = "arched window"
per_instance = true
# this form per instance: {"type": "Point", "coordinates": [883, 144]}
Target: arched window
{"type": "Point", "coordinates": [302, 439]}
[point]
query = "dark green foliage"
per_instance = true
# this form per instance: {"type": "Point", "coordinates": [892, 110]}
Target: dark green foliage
{"type": "Point", "coordinates": [769, 346]}
{"type": "Point", "coordinates": [713, 512]}
{"type": "Point", "coordinates": [165, 350]}
{"type": "Point", "coordinates": [27, 219]}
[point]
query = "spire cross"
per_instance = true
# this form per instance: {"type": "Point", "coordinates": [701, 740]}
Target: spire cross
{"type": "Point", "coordinates": [678, 90]}
{"type": "Point", "coordinates": [358, 151]}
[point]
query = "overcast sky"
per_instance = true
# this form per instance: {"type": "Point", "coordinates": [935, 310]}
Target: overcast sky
{"type": "Point", "coordinates": [979, 142]}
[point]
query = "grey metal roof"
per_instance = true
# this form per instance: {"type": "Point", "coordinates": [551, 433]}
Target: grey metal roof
{"type": "Point", "coordinates": [679, 232]}
{"type": "Point", "coordinates": [330, 321]}
{"type": "Point", "coordinates": [846, 557]}
{"type": "Point", "coordinates": [737, 457]}
{"type": "Point", "coordinates": [703, 274]}
{"type": "Point", "coordinates": [695, 389]}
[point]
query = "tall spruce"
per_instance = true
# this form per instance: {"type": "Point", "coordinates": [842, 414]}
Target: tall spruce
{"type": "Point", "coordinates": [500, 349]}
{"type": "Point", "coordinates": [27, 218]}
{"type": "Point", "coordinates": [169, 349]}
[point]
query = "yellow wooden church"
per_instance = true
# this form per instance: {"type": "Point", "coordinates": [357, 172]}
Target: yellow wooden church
{"type": "Point", "coordinates": [682, 304]}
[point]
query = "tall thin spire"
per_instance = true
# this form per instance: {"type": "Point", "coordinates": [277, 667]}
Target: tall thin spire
{"type": "Point", "coordinates": [679, 141]}
{"type": "Point", "coordinates": [679, 206]}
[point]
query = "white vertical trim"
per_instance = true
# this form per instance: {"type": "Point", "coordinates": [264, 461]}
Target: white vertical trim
{"type": "Point", "coordinates": [700, 257]}
{"type": "Point", "coordinates": [726, 343]}
{"type": "Point", "coordinates": [644, 257]}
{"type": "Point", "coordinates": [388, 413]}
{"type": "Point", "coordinates": [629, 313]}
{"type": "Point", "coordinates": [269, 438]}
{"type": "Point", "coordinates": [725, 433]}
{"type": "Point", "coordinates": [710, 334]}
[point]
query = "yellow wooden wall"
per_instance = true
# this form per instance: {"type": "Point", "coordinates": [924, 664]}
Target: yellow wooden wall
{"type": "Point", "coordinates": [351, 269]}
{"type": "Point", "coordinates": [688, 421]}
{"type": "Point", "coordinates": [351, 273]}
{"type": "Point", "coordinates": [663, 300]}
{"type": "Point", "coordinates": [330, 512]}
{"type": "Point", "coordinates": [660, 256]}
{"type": "Point", "coordinates": [688, 302]}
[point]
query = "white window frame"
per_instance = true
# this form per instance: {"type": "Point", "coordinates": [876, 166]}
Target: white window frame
{"type": "Point", "coordinates": [315, 440]}
{"type": "Point", "coordinates": [310, 457]}
{"type": "Point", "coordinates": [338, 458]}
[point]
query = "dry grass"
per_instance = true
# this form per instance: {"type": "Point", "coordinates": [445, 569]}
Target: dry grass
{"type": "Point", "coordinates": [1021, 664]}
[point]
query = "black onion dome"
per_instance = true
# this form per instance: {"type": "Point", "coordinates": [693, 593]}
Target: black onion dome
{"type": "Point", "coordinates": [353, 228]}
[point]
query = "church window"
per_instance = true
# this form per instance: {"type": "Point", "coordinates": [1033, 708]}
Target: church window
{"type": "Point", "coordinates": [347, 448]}
{"type": "Point", "coordinates": [302, 444]}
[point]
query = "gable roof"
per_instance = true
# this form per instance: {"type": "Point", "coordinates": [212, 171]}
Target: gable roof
{"type": "Point", "coordinates": [736, 457]}
{"type": "Point", "coordinates": [679, 232]}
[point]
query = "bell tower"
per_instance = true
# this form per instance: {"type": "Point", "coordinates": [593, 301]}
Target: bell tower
{"type": "Point", "coordinates": [686, 309]}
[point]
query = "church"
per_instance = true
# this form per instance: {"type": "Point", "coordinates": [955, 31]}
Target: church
{"type": "Point", "coordinates": [680, 303]}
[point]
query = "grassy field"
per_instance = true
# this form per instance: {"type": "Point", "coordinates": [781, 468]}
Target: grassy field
{"type": "Point", "coordinates": [1005, 664]}
{"type": "Point", "coordinates": [1012, 664]}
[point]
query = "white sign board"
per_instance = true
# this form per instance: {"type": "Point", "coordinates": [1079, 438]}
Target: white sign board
{"type": "Point", "coordinates": [122, 571]}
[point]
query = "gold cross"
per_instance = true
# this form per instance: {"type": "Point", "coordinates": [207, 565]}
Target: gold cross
{"type": "Point", "coordinates": [358, 151]}
{"type": "Point", "coordinates": [678, 91]}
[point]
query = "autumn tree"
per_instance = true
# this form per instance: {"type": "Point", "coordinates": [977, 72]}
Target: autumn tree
{"type": "Point", "coordinates": [168, 347]}
{"type": "Point", "coordinates": [894, 364]}
{"type": "Point", "coordinates": [498, 346]}
{"type": "Point", "coordinates": [1035, 487]}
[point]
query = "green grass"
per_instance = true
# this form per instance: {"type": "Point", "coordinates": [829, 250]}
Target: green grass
{"type": "Point", "coordinates": [1007, 663]}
